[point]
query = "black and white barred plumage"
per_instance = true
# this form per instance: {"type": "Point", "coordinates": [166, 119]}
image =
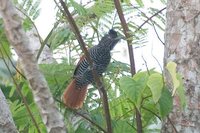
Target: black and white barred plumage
{"type": "Point", "coordinates": [100, 55]}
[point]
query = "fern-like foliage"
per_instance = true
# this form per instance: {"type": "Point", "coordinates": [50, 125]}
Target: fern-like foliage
{"type": "Point", "coordinates": [30, 7]}
{"type": "Point", "coordinates": [94, 19]}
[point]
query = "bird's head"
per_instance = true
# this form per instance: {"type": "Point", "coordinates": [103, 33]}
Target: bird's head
{"type": "Point", "coordinates": [109, 40]}
{"type": "Point", "coordinates": [112, 33]}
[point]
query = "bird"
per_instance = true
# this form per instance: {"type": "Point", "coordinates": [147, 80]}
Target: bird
{"type": "Point", "coordinates": [75, 93]}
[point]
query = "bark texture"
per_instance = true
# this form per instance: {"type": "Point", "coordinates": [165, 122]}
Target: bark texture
{"type": "Point", "coordinates": [183, 47]}
{"type": "Point", "coordinates": [46, 57]}
{"type": "Point", "coordinates": [6, 121]}
{"type": "Point", "coordinates": [52, 118]}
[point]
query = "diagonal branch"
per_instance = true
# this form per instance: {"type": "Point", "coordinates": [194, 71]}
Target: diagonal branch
{"type": "Point", "coordinates": [84, 117]}
{"type": "Point", "coordinates": [148, 18]}
{"type": "Point", "coordinates": [19, 40]}
{"type": "Point", "coordinates": [89, 120]}
{"type": "Point", "coordinates": [99, 84]}
{"type": "Point", "coordinates": [127, 34]}
{"type": "Point", "coordinates": [131, 56]}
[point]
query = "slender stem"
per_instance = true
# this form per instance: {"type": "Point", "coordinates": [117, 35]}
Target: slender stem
{"type": "Point", "coordinates": [42, 43]}
{"type": "Point", "coordinates": [153, 22]}
{"type": "Point", "coordinates": [40, 39]}
{"type": "Point", "coordinates": [83, 116]}
{"type": "Point", "coordinates": [138, 120]}
{"type": "Point", "coordinates": [89, 120]}
{"type": "Point", "coordinates": [131, 55]}
{"type": "Point", "coordinates": [172, 124]}
{"type": "Point", "coordinates": [45, 41]}
{"type": "Point", "coordinates": [128, 36]}
{"type": "Point", "coordinates": [145, 62]}
{"type": "Point", "coordinates": [157, 34]}
{"type": "Point", "coordinates": [99, 84]}
{"type": "Point", "coordinates": [12, 62]}
{"type": "Point", "coordinates": [149, 18]}
{"type": "Point", "coordinates": [151, 112]}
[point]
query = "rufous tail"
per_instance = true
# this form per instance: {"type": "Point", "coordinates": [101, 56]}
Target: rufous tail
{"type": "Point", "coordinates": [74, 97]}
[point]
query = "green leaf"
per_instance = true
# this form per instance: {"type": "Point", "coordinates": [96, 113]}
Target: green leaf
{"type": "Point", "coordinates": [4, 47]}
{"type": "Point", "coordinates": [165, 103]}
{"type": "Point", "coordinates": [122, 126]}
{"type": "Point", "coordinates": [58, 77]}
{"type": "Point", "coordinates": [140, 2]}
{"type": "Point", "coordinates": [142, 76]}
{"type": "Point", "coordinates": [4, 43]}
{"type": "Point", "coordinates": [133, 89]}
{"type": "Point", "coordinates": [27, 25]}
{"type": "Point", "coordinates": [12, 90]}
{"type": "Point", "coordinates": [59, 37]}
{"type": "Point", "coordinates": [5, 76]}
{"type": "Point", "coordinates": [181, 92]}
{"type": "Point", "coordinates": [148, 112]}
{"type": "Point", "coordinates": [155, 84]}
{"type": "Point", "coordinates": [78, 7]}
{"type": "Point", "coordinates": [119, 107]}
{"type": "Point", "coordinates": [171, 67]}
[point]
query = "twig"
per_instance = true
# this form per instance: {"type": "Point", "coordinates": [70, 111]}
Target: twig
{"type": "Point", "coordinates": [157, 34]}
{"type": "Point", "coordinates": [83, 116]}
{"type": "Point", "coordinates": [145, 62]}
{"type": "Point", "coordinates": [131, 56]}
{"type": "Point", "coordinates": [172, 124]}
{"type": "Point", "coordinates": [95, 75]}
{"type": "Point", "coordinates": [45, 41]}
{"type": "Point", "coordinates": [131, 126]}
{"type": "Point", "coordinates": [124, 114]}
{"type": "Point", "coordinates": [151, 112]}
{"type": "Point", "coordinates": [149, 18]}
{"type": "Point", "coordinates": [158, 64]}
{"type": "Point", "coordinates": [42, 43]}
{"type": "Point", "coordinates": [12, 62]}
{"type": "Point", "coordinates": [89, 120]}
{"type": "Point", "coordinates": [32, 23]}
{"type": "Point", "coordinates": [21, 95]}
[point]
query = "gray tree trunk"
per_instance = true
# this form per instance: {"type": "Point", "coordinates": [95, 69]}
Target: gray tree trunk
{"type": "Point", "coordinates": [51, 117]}
{"type": "Point", "coordinates": [6, 121]}
{"type": "Point", "coordinates": [182, 41]}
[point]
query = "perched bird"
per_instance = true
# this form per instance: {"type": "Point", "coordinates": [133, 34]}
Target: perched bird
{"type": "Point", "coordinates": [74, 95]}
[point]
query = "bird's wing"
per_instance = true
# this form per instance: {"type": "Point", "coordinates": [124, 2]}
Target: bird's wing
{"type": "Point", "coordinates": [78, 64]}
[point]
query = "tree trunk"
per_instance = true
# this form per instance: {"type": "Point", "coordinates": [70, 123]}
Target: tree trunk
{"type": "Point", "coordinates": [19, 40]}
{"type": "Point", "coordinates": [6, 121]}
{"type": "Point", "coordinates": [182, 46]}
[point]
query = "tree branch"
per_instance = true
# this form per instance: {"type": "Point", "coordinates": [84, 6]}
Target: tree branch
{"type": "Point", "coordinates": [127, 34]}
{"type": "Point", "coordinates": [7, 124]}
{"type": "Point", "coordinates": [99, 84]}
{"type": "Point", "coordinates": [49, 112]}
{"type": "Point", "coordinates": [131, 55]}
